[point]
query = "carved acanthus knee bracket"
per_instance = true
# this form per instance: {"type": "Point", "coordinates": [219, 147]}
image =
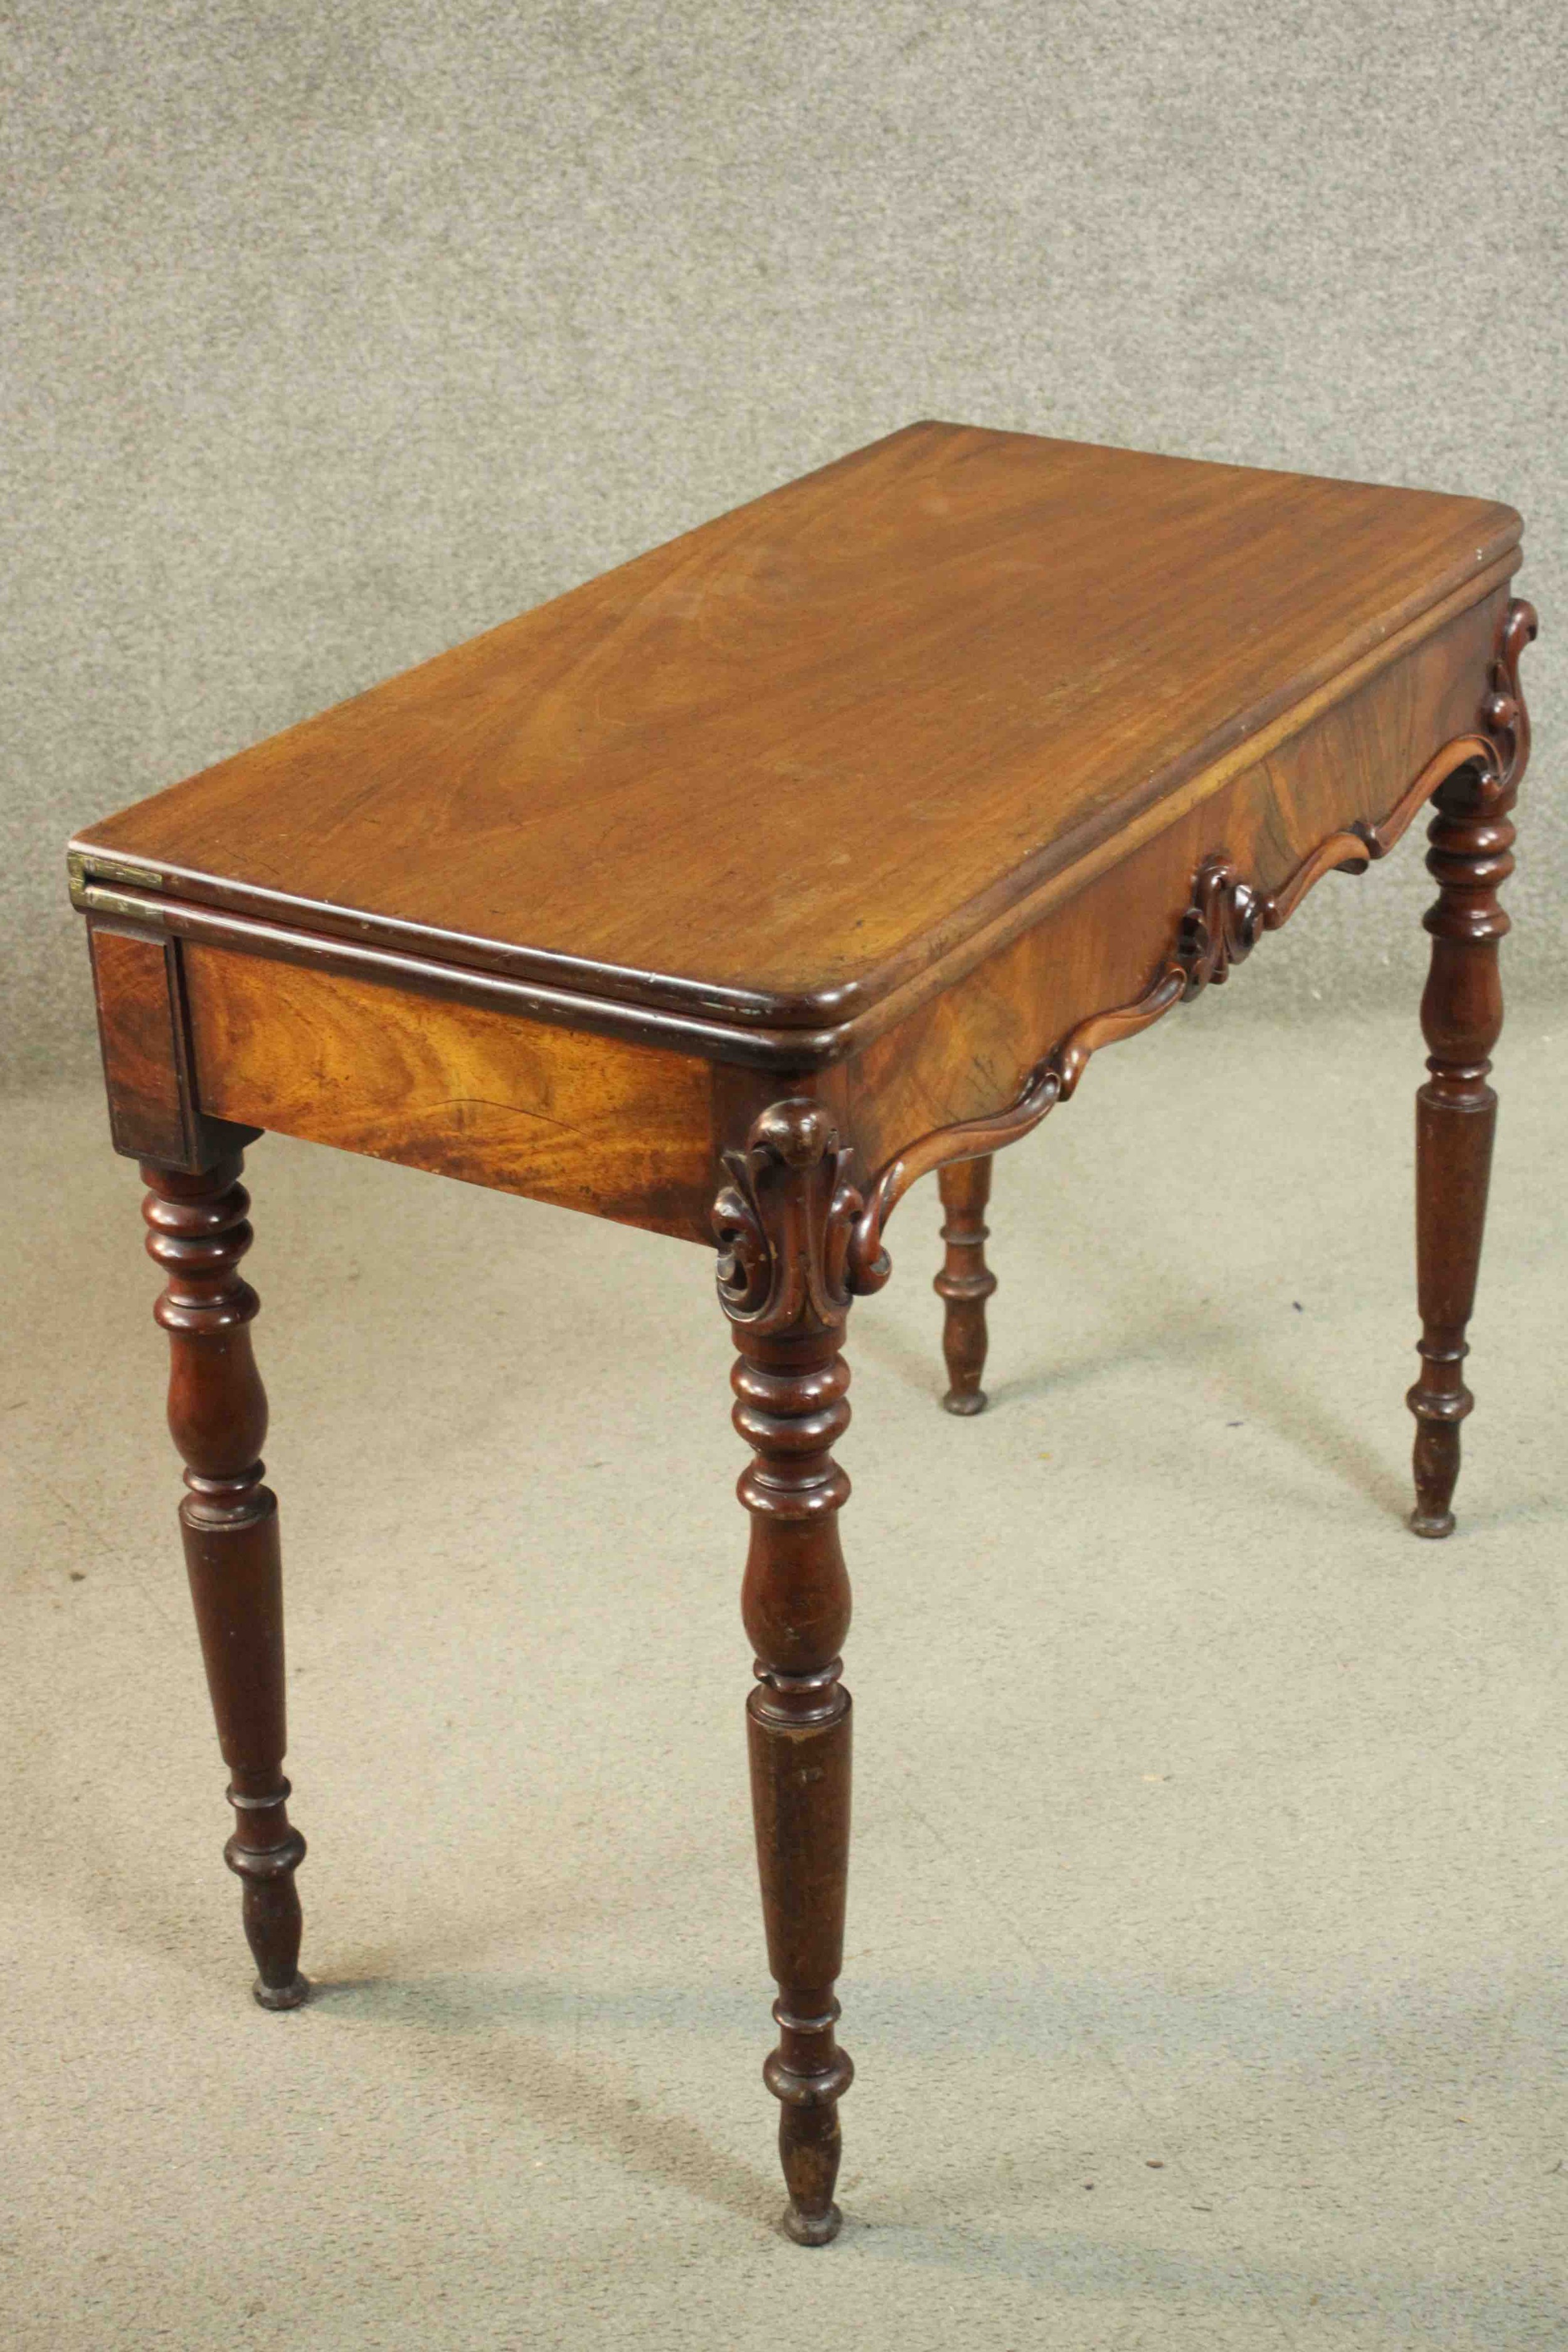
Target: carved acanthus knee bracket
{"type": "Point", "coordinates": [784, 1222]}
{"type": "Point", "coordinates": [1223, 919]}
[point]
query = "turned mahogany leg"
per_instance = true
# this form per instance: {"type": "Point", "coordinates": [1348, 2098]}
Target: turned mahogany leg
{"type": "Point", "coordinates": [1471, 855]}
{"type": "Point", "coordinates": [197, 1233]}
{"type": "Point", "coordinates": [781, 1281]}
{"type": "Point", "coordinates": [965, 1282]}
{"type": "Point", "coordinates": [1456, 1113]}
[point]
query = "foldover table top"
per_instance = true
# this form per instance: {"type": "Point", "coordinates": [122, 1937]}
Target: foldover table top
{"type": "Point", "coordinates": [769, 772]}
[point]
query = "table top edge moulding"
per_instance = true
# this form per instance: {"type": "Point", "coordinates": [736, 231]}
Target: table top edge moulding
{"type": "Point", "coordinates": [1113, 739]}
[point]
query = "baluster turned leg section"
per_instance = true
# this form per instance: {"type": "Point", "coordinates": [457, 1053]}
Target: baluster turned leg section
{"type": "Point", "coordinates": [965, 1282]}
{"type": "Point", "coordinates": [1456, 1111]}
{"type": "Point", "coordinates": [1455, 1117]}
{"type": "Point", "coordinates": [197, 1233]}
{"type": "Point", "coordinates": [783, 1227]}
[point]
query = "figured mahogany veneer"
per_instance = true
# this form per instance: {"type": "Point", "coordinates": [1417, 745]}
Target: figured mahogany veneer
{"type": "Point", "coordinates": [732, 893]}
{"type": "Point", "coordinates": [596, 1123]}
{"type": "Point", "coordinates": [768, 773]}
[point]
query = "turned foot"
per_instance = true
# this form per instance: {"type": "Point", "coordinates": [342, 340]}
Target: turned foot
{"type": "Point", "coordinates": [265, 1862]}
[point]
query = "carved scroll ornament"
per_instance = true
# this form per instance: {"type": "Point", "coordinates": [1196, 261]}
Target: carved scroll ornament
{"type": "Point", "coordinates": [785, 1224]}
{"type": "Point", "coordinates": [1222, 924]}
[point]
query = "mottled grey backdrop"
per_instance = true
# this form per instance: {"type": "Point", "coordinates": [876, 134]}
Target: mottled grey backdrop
{"type": "Point", "coordinates": [338, 333]}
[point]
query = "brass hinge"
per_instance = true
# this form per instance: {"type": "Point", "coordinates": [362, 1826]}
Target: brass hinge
{"type": "Point", "coordinates": [83, 873]}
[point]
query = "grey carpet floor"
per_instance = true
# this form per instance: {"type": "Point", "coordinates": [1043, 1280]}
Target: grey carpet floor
{"type": "Point", "coordinates": [1206, 1975]}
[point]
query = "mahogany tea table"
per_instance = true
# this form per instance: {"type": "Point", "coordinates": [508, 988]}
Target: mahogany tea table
{"type": "Point", "coordinates": [734, 892]}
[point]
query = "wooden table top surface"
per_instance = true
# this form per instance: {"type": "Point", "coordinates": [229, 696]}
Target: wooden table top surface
{"type": "Point", "coordinates": [773, 768]}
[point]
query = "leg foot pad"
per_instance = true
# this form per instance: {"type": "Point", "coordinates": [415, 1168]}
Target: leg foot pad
{"type": "Point", "coordinates": [812, 2229]}
{"type": "Point", "coordinates": [288, 1996]}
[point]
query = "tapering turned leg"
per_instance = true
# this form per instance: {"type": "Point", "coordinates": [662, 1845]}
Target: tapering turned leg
{"type": "Point", "coordinates": [197, 1233]}
{"type": "Point", "coordinates": [1471, 855]}
{"type": "Point", "coordinates": [796, 1605]}
{"type": "Point", "coordinates": [780, 1281]}
{"type": "Point", "coordinates": [965, 1282]}
{"type": "Point", "coordinates": [1456, 1113]}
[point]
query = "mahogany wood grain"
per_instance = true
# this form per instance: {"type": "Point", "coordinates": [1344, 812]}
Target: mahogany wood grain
{"type": "Point", "coordinates": [970, 1049]}
{"type": "Point", "coordinates": [782, 1225]}
{"type": "Point", "coordinates": [197, 1232]}
{"type": "Point", "coordinates": [144, 1029]}
{"type": "Point", "coordinates": [1470, 857]}
{"type": "Point", "coordinates": [730, 894]}
{"type": "Point", "coordinates": [620, 1130]}
{"type": "Point", "coordinates": [965, 1282]}
{"type": "Point", "coordinates": [771, 771]}
{"type": "Point", "coordinates": [135, 1031]}
{"type": "Point", "coordinates": [634, 1131]}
